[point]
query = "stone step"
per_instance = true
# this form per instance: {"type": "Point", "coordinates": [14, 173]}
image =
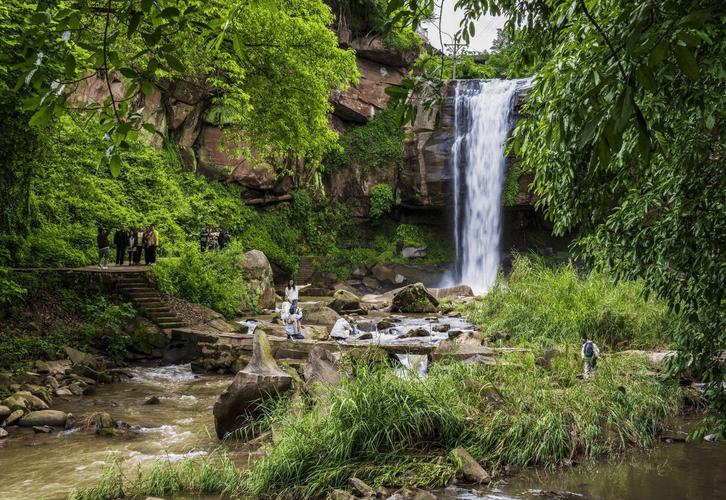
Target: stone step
{"type": "Point", "coordinates": [157, 309]}
{"type": "Point", "coordinates": [163, 317]}
{"type": "Point", "coordinates": [145, 295]}
{"type": "Point", "coordinates": [170, 325]}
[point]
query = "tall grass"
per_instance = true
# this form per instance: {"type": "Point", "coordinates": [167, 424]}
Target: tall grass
{"type": "Point", "coordinates": [544, 306]}
{"type": "Point", "coordinates": [391, 431]}
{"type": "Point", "coordinates": [212, 474]}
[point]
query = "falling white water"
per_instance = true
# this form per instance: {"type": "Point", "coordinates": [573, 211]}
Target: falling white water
{"type": "Point", "coordinates": [482, 123]}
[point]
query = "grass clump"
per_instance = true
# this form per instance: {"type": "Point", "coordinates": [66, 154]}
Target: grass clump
{"type": "Point", "coordinates": [544, 306]}
{"type": "Point", "coordinates": [387, 430]}
{"type": "Point", "coordinates": [213, 474]}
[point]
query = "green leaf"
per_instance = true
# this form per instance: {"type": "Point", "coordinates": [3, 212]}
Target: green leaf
{"type": "Point", "coordinates": [149, 128]}
{"type": "Point", "coordinates": [129, 73]}
{"type": "Point", "coordinates": [646, 78]}
{"type": "Point", "coordinates": [146, 5]}
{"type": "Point", "coordinates": [658, 54]}
{"type": "Point", "coordinates": [588, 131]}
{"type": "Point", "coordinates": [174, 63]}
{"type": "Point", "coordinates": [471, 29]}
{"type": "Point", "coordinates": [115, 164]}
{"type": "Point", "coordinates": [41, 117]}
{"type": "Point", "coordinates": [687, 62]}
{"type": "Point", "coordinates": [147, 88]}
{"type": "Point", "coordinates": [134, 21]}
{"type": "Point", "coordinates": [70, 66]}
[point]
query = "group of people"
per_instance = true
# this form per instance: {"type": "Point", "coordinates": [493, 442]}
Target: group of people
{"type": "Point", "coordinates": [213, 238]}
{"type": "Point", "coordinates": [291, 312]}
{"type": "Point", "coordinates": [133, 241]}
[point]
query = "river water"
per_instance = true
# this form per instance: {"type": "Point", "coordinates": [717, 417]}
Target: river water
{"type": "Point", "coordinates": [49, 466]}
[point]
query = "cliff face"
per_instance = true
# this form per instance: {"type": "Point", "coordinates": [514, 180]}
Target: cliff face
{"type": "Point", "coordinates": [426, 180]}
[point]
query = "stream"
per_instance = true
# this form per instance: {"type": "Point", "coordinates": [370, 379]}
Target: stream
{"type": "Point", "coordinates": [49, 466]}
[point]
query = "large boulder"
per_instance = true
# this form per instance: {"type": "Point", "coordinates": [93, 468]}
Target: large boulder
{"type": "Point", "coordinates": [261, 378]}
{"type": "Point", "coordinates": [320, 367]}
{"type": "Point", "coordinates": [256, 269]}
{"type": "Point", "coordinates": [319, 314]}
{"type": "Point", "coordinates": [414, 299]}
{"type": "Point", "coordinates": [345, 302]}
{"type": "Point", "coordinates": [452, 291]}
{"type": "Point", "coordinates": [362, 101]}
{"type": "Point", "coordinates": [52, 418]}
{"type": "Point", "coordinates": [4, 412]}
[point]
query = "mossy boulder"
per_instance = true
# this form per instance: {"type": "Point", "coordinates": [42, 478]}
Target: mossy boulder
{"type": "Point", "coordinates": [260, 288]}
{"type": "Point", "coordinates": [414, 299]}
{"type": "Point", "coordinates": [345, 302]}
{"type": "Point", "coordinates": [52, 418]}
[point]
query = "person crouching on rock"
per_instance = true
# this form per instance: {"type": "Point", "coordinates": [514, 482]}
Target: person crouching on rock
{"type": "Point", "coordinates": [291, 319]}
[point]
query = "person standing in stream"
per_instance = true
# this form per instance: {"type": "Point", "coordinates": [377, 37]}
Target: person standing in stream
{"type": "Point", "coordinates": [120, 240]}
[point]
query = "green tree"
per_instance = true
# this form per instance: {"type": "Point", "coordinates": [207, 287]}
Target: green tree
{"type": "Point", "coordinates": [269, 64]}
{"type": "Point", "coordinates": [624, 131]}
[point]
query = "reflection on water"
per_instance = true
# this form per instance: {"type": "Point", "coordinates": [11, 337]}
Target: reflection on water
{"type": "Point", "coordinates": [668, 472]}
{"type": "Point", "coordinates": [50, 465]}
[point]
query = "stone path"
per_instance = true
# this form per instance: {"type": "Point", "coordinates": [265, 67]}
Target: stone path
{"type": "Point", "coordinates": [86, 269]}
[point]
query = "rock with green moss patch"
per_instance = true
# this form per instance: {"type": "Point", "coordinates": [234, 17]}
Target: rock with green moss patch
{"type": "Point", "coordinates": [414, 299]}
{"type": "Point", "coordinates": [469, 468]}
{"type": "Point", "coordinates": [53, 418]}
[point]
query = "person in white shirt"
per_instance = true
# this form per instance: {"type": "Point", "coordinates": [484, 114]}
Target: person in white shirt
{"type": "Point", "coordinates": [291, 320]}
{"type": "Point", "coordinates": [292, 294]}
{"type": "Point", "coordinates": [589, 353]}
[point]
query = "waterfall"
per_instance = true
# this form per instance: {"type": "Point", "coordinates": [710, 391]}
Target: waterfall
{"type": "Point", "coordinates": [482, 123]}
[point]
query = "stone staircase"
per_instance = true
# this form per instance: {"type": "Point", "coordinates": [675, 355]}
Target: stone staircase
{"type": "Point", "coordinates": [306, 271]}
{"type": "Point", "coordinates": [147, 300]}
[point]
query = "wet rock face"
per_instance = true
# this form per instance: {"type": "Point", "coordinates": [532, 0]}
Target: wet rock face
{"type": "Point", "coordinates": [414, 299]}
{"type": "Point", "coordinates": [260, 378]}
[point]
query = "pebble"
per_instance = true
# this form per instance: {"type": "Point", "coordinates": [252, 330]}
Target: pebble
{"type": "Point", "coordinates": [3, 433]}
{"type": "Point", "coordinates": [42, 429]}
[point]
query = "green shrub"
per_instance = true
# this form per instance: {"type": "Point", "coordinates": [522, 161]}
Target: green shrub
{"type": "Point", "coordinates": [213, 279]}
{"type": "Point", "coordinates": [377, 145]}
{"type": "Point", "coordinates": [381, 200]}
{"type": "Point", "coordinates": [540, 306]}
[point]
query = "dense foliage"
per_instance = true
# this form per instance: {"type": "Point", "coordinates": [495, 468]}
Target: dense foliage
{"type": "Point", "coordinates": [371, 147]}
{"type": "Point", "coordinates": [271, 64]}
{"type": "Point", "coordinates": [549, 306]}
{"type": "Point", "coordinates": [382, 200]}
{"type": "Point", "coordinates": [624, 134]}
{"type": "Point", "coordinates": [212, 279]}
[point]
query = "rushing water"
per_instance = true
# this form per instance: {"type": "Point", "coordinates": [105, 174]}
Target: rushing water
{"type": "Point", "coordinates": [50, 465]}
{"type": "Point", "coordinates": [482, 123]}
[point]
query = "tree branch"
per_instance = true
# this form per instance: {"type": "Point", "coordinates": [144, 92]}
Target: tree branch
{"type": "Point", "coordinates": [105, 61]}
{"type": "Point", "coordinates": [605, 38]}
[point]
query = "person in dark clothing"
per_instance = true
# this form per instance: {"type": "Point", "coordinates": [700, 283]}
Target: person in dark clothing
{"type": "Point", "coordinates": [204, 239]}
{"type": "Point", "coordinates": [121, 240]}
{"type": "Point", "coordinates": [104, 249]}
{"type": "Point", "coordinates": [223, 238]}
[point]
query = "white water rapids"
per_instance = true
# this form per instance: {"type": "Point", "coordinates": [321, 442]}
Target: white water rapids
{"type": "Point", "coordinates": [482, 122]}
